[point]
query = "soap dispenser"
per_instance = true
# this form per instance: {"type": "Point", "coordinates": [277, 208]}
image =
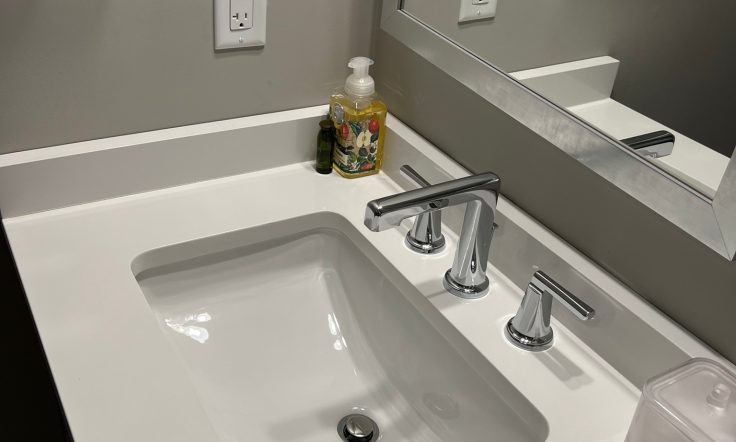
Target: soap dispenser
{"type": "Point", "coordinates": [359, 117]}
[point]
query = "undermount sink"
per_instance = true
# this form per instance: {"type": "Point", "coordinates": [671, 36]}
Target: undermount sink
{"type": "Point", "coordinates": [287, 327]}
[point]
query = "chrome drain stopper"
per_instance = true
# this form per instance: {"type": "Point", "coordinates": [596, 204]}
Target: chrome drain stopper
{"type": "Point", "coordinates": [357, 428]}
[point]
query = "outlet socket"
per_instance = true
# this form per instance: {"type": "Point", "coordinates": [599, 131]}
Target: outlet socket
{"type": "Point", "coordinates": [240, 23]}
{"type": "Point", "coordinates": [241, 15]}
{"type": "Point", "coordinates": [472, 10]}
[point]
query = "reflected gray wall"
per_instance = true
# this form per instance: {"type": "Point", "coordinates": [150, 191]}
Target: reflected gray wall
{"type": "Point", "coordinates": [78, 69]}
{"type": "Point", "coordinates": [677, 62]}
{"type": "Point", "coordinates": [686, 280]}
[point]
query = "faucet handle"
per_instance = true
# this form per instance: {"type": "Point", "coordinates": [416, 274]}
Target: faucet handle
{"type": "Point", "coordinates": [530, 329]}
{"type": "Point", "coordinates": [579, 308]}
{"type": "Point", "coordinates": [426, 234]}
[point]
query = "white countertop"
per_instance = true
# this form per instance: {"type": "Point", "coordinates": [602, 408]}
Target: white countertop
{"type": "Point", "coordinates": [120, 379]}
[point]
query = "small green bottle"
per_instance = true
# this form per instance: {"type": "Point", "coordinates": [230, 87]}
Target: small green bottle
{"type": "Point", "coordinates": [325, 141]}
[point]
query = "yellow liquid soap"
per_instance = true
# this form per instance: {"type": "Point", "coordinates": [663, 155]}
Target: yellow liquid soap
{"type": "Point", "coordinates": [359, 133]}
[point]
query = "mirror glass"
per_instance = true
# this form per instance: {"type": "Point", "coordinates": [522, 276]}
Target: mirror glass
{"type": "Point", "coordinates": [659, 75]}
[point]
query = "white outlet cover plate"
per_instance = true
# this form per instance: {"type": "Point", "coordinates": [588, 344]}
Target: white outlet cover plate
{"type": "Point", "coordinates": [227, 39]}
{"type": "Point", "coordinates": [472, 10]}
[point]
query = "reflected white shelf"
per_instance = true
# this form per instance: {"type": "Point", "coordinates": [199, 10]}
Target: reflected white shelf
{"type": "Point", "coordinates": [584, 88]}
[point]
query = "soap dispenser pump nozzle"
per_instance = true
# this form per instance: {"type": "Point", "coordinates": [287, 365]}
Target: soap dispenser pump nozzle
{"type": "Point", "coordinates": [359, 83]}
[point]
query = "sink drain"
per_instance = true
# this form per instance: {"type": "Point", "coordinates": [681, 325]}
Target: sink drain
{"type": "Point", "coordinates": [357, 428]}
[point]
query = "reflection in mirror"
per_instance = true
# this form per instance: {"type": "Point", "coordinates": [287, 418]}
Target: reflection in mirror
{"type": "Point", "coordinates": [657, 75]}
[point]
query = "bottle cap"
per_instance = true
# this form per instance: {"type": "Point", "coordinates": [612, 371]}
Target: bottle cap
{"type": "Point", "coordinates": [359, 83]}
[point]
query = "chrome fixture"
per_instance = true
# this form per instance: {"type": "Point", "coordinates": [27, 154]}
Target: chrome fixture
{"type": "Point", "coordinates": [467, 277]}
{"type": "Point", "coordinates": [426, 234]}
{"type": "Point", "coordinates": [530, 329]}
{"type": "Point", "coordinates": [654, 144]}
{"type": "Point", "coordinates": [357, 428]}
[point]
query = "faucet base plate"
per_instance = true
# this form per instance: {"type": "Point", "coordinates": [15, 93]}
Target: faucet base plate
{"type": "Point", "coordinates": [527, 342]}
{"type": "Point", "coordinates": [465, 291]}
{"type": "Point", "coordinates": [435, 246]}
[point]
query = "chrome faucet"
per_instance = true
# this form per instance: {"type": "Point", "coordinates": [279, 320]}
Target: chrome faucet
{"type": "Point", "coordinates": [467, 276]}
{"type": "Point", "coordinates": [530, 329]}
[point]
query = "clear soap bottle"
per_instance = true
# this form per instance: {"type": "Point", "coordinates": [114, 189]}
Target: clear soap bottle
{"type": "Point", "coordinates": [359, 117]}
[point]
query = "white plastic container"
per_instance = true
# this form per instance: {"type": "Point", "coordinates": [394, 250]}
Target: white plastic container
{"type": "Point", "coordinates": [693, 402]}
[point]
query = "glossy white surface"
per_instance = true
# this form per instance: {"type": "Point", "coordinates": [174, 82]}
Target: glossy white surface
{"type": "Point", "coordinates": [44, 179]}
{"type": "Point", "coordinates": [572, 83]}
{"type": "Point", "coordinates": [124, 373]}
{"type": "Point", "coordinates": [110, 357]}
{"type": "Point", "coordinates": [284, 337]}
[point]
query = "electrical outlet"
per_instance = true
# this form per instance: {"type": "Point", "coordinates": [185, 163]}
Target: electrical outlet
{"type": "Point", "coordinates": [240, 23]}
{"type": "Point", "coordinates": [471, 10]}
{"type": "Point", "coordinates": [241, 14]}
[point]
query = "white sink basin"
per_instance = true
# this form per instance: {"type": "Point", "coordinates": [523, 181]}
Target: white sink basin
{"type": "Point", "coordinates": [287, 327]}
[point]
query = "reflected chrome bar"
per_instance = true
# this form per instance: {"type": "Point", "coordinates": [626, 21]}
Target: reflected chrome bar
{"type": "Point", "coordinates": [654, 144]}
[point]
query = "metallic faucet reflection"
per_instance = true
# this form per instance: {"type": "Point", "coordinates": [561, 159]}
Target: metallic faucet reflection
{"type": "Point", "coordinates": [467, 277]}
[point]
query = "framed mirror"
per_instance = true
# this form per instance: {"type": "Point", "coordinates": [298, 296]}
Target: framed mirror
{"type": "Point", "coordinates": [604, 81]}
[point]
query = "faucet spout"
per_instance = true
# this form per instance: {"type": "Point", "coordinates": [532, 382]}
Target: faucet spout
{"type": "Point", "coordinates": [467, 277]}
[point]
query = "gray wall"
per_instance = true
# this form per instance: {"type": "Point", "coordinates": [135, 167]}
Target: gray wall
{"type": "Point", "coordinates": [677, 63]}
{"type": "Point", "coordinates": [686, 280]}
{"type": "Point", "coordinates": [82, 69]}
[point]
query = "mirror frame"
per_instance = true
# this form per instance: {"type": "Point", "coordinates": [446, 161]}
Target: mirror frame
{"type": "Point", "coordinates": [712, 222]}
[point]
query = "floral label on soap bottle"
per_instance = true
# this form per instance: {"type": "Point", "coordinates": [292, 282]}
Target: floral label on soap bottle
{"type": "Point", "coordinates": [357, 142]}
